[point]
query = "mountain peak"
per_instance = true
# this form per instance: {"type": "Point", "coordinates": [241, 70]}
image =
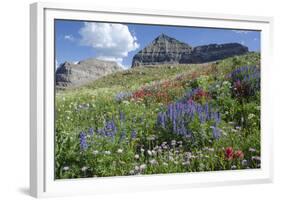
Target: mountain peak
{"type": "Point", "coordinates": [163, 36]}
{"type": "Point", "coordinates": [167, 50]}
{"type": "Point", "coordinates": [162, 50]}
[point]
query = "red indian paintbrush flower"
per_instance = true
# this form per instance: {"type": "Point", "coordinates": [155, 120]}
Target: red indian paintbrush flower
{"type": "Point", "coordinates": [229, 153]}
{"type": "Point", "coordinates": [239, 154]}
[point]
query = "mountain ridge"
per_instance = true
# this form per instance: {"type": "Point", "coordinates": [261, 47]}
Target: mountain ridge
{"type": "Point", "coordinates": [167, 50]}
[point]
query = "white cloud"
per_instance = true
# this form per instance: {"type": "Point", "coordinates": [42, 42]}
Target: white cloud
{"type": "Point", "coordinates": [69, 37]}
{"type": "Point", "coordinates": [241, 31]}
{"type": "Point", "coordinates": [111, 58]}
{"type": "Point", "coordinates": [110, 41]}
{"type": "Point", "coordinates": [242, 42]}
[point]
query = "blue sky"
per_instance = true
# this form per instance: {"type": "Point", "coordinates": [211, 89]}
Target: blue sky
{"type": "Point", "coordinates": [78, 40]}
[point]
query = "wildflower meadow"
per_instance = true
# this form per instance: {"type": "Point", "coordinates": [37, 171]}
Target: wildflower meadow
{"type": "Point", "coordinates": [161, 119]}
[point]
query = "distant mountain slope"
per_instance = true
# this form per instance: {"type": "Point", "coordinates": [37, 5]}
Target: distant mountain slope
{"type": "Point", "coordinates": [136, 77]}
{"type": "Point", "coordinates": [72, 75]}
{"type": "Point", "coordinates": [167, 50]}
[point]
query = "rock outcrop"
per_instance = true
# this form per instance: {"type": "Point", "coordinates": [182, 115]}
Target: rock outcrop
{"type": "Point", "coordinates": [212, 52]}
{"type": "Point", "coordinates": [72, 75]}
{"type": "Point", "coordinates": [162, 50]}
{"type": "Point", "coordinates": [167, 50]}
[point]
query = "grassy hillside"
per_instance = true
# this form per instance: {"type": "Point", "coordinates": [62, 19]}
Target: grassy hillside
{"type": "Point", "coordinates": [161, 119]}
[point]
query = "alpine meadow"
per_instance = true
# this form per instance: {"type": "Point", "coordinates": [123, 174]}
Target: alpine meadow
{"type": "Point", "coordinates": [176, 109]}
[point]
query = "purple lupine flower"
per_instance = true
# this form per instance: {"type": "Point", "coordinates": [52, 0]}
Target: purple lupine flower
{"type": "Point", "coordinates": [83, 141]}
{"type": "Point", "coordinates": [91, 131]}
{"type": "Point", "coordinates": [217, 118]}
{"type": "Point", "coordinates": [182, 129]}
{"type": "Point", "coordinates": [174, 126]}
{"type": "Point", "coordinates": [101, 132]}
{"type": "Point", "coordinates": [201, 116]}
{"type": "Point", "coordinates": [122, 136]}
{"type": "Point", "coordinates": [121, 116]}
{"type": "Point", "coordinates": [180, 114]}
{"type": "Point", "coordinates": [216, 132]}
{"type": "Point", "coordinates": [248, 78]}
{"type": "Point", "coordinates": [122, 96]}
{"type": "Point", "coordinates": [110, 129]}
{"type": "Point", "coordinates": [161, 120]}
{"type": "Point", "coordinates": [133, 134]}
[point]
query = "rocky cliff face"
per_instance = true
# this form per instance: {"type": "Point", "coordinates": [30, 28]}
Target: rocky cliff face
{"type": "Point", "coordinates": [212, 52]}
{"type": "Point", "coordinates": [167, 50]}
{"type": "Point", "coordinates": [71, 75]}
{"type": "Point", "coordinates": [162, 50]}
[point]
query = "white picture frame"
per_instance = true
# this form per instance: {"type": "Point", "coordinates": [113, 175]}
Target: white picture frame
{"type": "Point", "coordinates": [42, 182]}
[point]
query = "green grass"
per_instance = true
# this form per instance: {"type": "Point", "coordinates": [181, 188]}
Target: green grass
{"type": "Point", "coordinates": [153, 149]}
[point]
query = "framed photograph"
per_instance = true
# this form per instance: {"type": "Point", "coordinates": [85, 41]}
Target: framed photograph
{"type": "Point", "coordinates": [147, 100]}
